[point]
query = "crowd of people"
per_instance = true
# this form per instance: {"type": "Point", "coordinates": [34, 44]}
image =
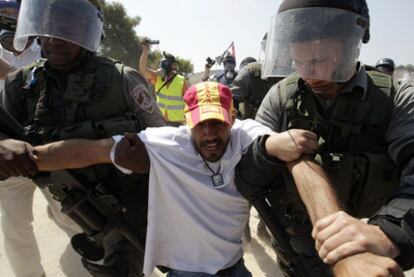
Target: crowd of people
{"type": "Point", "coordinates": [145, 170]}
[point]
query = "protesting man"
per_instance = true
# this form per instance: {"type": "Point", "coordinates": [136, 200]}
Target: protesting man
{"type": "Point", "coordinates": [196, 216]}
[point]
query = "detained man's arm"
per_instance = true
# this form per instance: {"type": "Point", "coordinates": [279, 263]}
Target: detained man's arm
{"type": "Point", "coordinates": [364, 257]}
{"type": "Point", "coordinates": [129, 153]}
{"type": "Point", "coordinates": [314, 188]}
{"type": "Point", "coordinates": [73, 153]}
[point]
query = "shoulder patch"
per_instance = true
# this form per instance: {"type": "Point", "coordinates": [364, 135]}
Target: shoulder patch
{"type": "Point", "coordinates": [142, 98]}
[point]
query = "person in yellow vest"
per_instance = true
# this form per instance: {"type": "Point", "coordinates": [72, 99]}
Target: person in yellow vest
{"type": "Point", "coordinates": [168, 84]}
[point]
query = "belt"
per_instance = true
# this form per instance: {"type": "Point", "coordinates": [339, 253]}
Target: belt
{"type": "Point", "coordinates": [227, 271]}
{"type": "Point", "coordinates": [223, 272]}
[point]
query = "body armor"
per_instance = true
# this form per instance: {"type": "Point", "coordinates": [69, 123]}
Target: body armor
{"type": "Point", "coordinates": [352, 151]}
{"type": "Point", "coordinates": [90, 105]}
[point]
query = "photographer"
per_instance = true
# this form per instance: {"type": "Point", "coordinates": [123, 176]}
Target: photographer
{"type": "Point", "coordinates": [169, 85]}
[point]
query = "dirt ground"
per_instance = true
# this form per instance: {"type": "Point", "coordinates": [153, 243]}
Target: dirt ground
{"type": "Point", "coordinates": [59, 259]}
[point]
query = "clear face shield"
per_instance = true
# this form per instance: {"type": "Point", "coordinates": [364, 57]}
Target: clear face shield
{"type": "Point", "coordinates": [319, 43]}
{"type": "Point", "coordinates": [76, 21]}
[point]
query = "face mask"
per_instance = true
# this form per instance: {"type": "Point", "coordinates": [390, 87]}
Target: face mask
{"type": "Point", "coordinates": [229, 75]}
{"type": "Point", "coordinates": [166, 67]}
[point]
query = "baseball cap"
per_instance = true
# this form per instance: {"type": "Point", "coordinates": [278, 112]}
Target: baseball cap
{"type": "Point", "coordinates": [208, 100]}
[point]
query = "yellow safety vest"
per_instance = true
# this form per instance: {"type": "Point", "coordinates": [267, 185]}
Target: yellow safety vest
{"type": "Point", "coordinates": [170, 100]}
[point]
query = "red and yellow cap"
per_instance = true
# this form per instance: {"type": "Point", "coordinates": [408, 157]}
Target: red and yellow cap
{"type": "Point", "coordinates": [208, 100]}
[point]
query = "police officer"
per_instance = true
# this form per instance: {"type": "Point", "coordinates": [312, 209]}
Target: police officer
{"type": "Point", "coordinates": [74, 93]}
{"type": "Point", "coordinates": [365, 127]}
{"type": "Point", "coordinates": [249, 87]}
{"type": "Point", "coordinates": [16, 194]}
{"type": "Point", "coordinates": [169, 85]}
{"type": "Point", "coordinates": [386, 65]}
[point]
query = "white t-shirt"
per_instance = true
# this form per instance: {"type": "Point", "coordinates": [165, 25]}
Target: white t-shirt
{"type": "Point", "coordinates": [193, 226]}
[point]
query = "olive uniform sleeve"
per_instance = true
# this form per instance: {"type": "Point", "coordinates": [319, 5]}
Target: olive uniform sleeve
{"type": "Point", "coordinates": [142, 102]}
{"type": "Point", "coordinates": [396, 218]}
{"type": "Point", "coordinates": [257, 171]}
{"type": "Point", "coordinates": [240, 85]}
{"type": "Point", "coordinates": [12, 98]}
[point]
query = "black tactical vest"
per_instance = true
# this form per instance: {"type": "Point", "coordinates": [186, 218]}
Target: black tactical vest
{"type": "Point", "coordinates": [352, 147]}
{"type": "Point", "coordinates": [91, 106]}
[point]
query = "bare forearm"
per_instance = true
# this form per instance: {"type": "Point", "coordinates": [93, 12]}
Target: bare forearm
{"type": "Point", "coordinates": [143, 67]}
{"type": "Point", "coordinates": [75, 153]}
{"type": "Point", "coordinates": [206, 74]}
{"type": "Point", "coordinates": [314, 188]}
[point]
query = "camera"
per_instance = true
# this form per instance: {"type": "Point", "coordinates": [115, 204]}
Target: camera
{"type": "Point", "coordinates": [151, 41]}
{"type": "Point", "coordinates": [210, 62]}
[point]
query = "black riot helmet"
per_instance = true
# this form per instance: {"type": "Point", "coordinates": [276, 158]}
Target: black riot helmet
{"type": "Point", "coordinates": [316, 22]}
{"type": "Point", "coordinates": [246, 61]}
{"type": "Point", "coordinates": [386, 65]}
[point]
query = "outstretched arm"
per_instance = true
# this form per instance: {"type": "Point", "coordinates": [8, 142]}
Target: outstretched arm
{"type": "Point", "coordinates": [314, 188]}
{"type": "Point", "coordinates": [130, 153]}
{"type": "Point", "coordinates": [350, 245]}
{"type": "Point", "coordinates": [73, 153]}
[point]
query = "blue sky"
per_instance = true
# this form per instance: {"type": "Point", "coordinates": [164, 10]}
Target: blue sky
{"type": "Point", "coordinates": [195, 29]}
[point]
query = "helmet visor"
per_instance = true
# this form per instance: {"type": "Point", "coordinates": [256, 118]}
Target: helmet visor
{"type": "Point", "coordinates": [319, 43]}
{"type": "Point", "coordinates": [76, 21]}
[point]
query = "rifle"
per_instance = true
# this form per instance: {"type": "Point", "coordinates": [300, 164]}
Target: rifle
{"type": "Point", "coordinates": [279, 234]}
{"type": "Point", "coordinates": [92, 206]}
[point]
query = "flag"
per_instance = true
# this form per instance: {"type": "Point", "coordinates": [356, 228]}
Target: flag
{"type": "Point", "coordinates": [231, 50]}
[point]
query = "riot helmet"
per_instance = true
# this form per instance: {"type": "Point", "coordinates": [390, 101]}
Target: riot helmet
{"type": "Point", "coordinates": [246, 61]}
{"type": "Point", "coordinates": [321, 39]}
{"type": "Point", "coordinates": [77, 21]}
{"type": "Point", "coordinates": [386, 65]}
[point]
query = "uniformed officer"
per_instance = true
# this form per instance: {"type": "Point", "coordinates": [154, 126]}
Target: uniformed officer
{"type": "Point", "coordinates": [74, 93]}
{"type": "Point", "coordinates": [366, 133]}
{"type": "Point", "coordinates": [385, 65]}
{"type": "Point", "coordinates": [249, 88]}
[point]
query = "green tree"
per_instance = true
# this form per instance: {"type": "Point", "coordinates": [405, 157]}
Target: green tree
{"type": "Point", "coordinates": [121, 41]}
{"type": "Point", "coordinates": [407, 67]}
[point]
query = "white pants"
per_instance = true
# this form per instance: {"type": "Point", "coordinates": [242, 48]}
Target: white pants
{"type": "Point", "coordinates": [16, 206]}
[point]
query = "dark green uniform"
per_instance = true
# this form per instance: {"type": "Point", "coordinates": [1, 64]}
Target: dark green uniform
{"type": "Point", "coordinates": [366, 144]}
{"type": "Point", "coordinates": [249, 88]}
{"type": "Point", "coordinates": [102, 98]}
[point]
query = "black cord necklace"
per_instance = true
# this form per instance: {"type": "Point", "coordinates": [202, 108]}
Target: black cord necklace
{"type": "Point", "coordinates": [217, 177]}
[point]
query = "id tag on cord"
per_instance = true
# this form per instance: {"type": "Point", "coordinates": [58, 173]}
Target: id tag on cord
{"type": "Point", "coordinates": [217, 180]}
